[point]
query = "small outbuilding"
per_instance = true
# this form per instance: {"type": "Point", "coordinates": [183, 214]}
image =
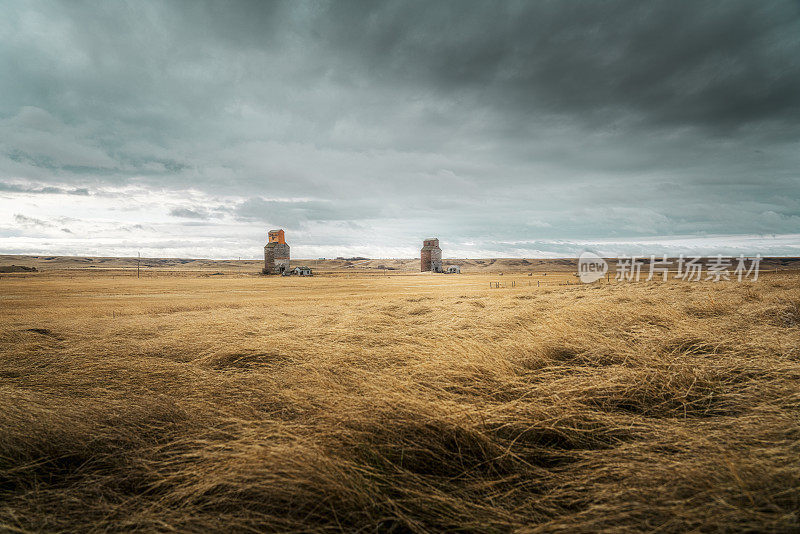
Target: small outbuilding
{"type": "Point", "coordinates": [302, 271]}
{"type": "Point", "coordinates": [453, 269]}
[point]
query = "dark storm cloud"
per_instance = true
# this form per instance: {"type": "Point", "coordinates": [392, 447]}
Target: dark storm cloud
{"type": "Point", "coordinates": [710, 64]}
{"type": "Point", "coordinates": [496, 120]}
{"type": "Point", "coordinates": [190, 213]}
{"type": "Point", "coordinates": [293, 214]}
{"type": "Point", "coordinates": [22, 220]}
{"type": "Point", "coordinates": [41, 190]}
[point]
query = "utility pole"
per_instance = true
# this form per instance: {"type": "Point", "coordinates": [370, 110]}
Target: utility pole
{"type": "Point", "coordinates": [138, 259]}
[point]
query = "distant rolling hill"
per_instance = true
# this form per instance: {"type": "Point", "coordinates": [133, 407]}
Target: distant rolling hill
{"type": "Point", "coordinates": [409, 265]}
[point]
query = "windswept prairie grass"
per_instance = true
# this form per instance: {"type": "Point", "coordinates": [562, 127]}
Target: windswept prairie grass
{"type": "Point", "coordinates": [398, 403]}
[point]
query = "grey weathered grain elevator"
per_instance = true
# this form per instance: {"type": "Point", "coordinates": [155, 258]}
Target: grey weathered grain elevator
{"type": "Point", "coordinates": [431, 256]}
{"type": "Point", "coordinates": [276, 253]}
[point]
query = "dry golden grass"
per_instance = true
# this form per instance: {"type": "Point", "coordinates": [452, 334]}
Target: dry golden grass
{"type": "Point", "coordinates": [405, 403]}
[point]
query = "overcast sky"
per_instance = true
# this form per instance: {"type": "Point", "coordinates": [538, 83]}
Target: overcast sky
{"type": "Point", "coordinates": [504, 128]}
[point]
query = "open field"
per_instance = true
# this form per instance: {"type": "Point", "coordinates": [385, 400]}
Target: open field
{"type": "Point", "coordinates": [360, 266]}
{"type": "Point", "coordinates": [191, 401]}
